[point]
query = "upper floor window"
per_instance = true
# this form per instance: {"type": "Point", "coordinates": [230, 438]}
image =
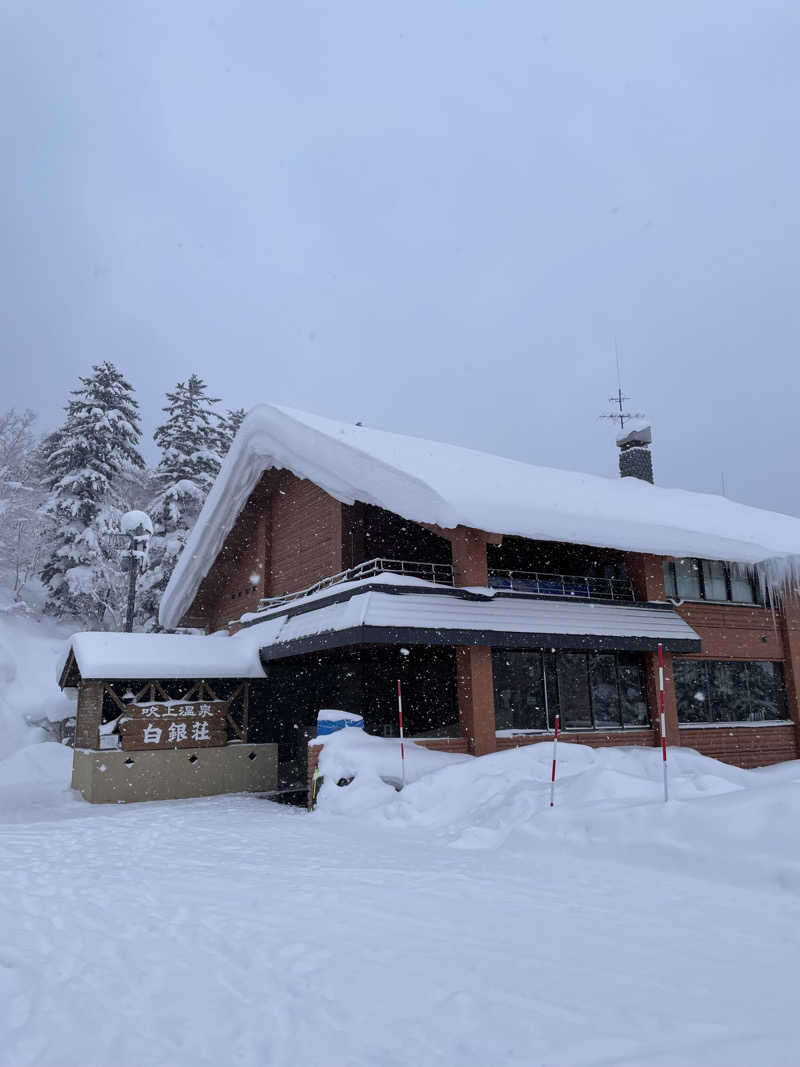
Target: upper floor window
{"type": "Point", "coordinates": [709, 579]}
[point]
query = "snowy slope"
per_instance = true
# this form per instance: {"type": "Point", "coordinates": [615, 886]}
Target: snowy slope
{"type": "Point", "coordinates": [428, 481]}
{"type": "Point", "coordinates": [459, 924]}
{"type": "Point", "coordinates": [30, 648]}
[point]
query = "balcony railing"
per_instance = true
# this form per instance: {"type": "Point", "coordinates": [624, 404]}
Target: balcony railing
{"type": "Point", "coordinates": [439, 573]}
{"type": "Point", "coordinates": [563, 585]}
{"type": "Point", "coordinates": [581, 587]}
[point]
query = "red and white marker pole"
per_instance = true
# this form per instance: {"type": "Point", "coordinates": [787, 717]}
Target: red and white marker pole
{"type": "Point", "coordinates": [402, 745]}
{"type": "Point", "coordinates": [555, 753]}
{"type": "Point", "coordinates": [663, 718]}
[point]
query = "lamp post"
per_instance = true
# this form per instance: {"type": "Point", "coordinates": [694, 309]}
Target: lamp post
{"type": "Point", "coordinates": [138, 529]}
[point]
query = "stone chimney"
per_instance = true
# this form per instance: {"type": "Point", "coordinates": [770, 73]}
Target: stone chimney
{"type": "Point", "coordinates": [635, 459]}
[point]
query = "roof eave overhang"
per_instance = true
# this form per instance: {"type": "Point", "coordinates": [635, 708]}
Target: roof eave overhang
{"type": "Point", "coordinates": [412, 635]}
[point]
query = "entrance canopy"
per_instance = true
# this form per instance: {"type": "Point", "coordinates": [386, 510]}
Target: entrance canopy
{"type": "Point", "coordinates": [114, 655]}
{"type": "Point", "coordinates": [500, 621]}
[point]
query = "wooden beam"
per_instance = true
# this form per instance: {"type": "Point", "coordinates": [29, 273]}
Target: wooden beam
{"type": "Point", "coordinates": [107, 689]}
{"type": "Point", "coordinates": [449, 533]}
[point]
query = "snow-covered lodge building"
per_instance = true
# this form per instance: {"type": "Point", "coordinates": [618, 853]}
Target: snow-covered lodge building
{"type": "Point", "coordinates": [331, 559]}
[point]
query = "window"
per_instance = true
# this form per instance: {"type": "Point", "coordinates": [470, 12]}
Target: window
{"type": "Point", "coordinates": [742, 587]}
{"type": "Point", "coordinates": [573, 690]}
{"type": "Point", "coordinates": [708, 579]}
{"type": "Point", "coordinates": [596, 690]}
{"type": "Point", "coordinates": [729, 691]}
{"type": "Point", "coordinates": [526, 694]}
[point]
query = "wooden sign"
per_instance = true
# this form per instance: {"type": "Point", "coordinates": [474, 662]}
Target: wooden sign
{"type": "Point", "coordinates": [195, 724]}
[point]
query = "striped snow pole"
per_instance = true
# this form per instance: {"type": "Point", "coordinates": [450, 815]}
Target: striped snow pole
{"type": "Point", "coordinates": [402, 745]}
{"type": "Point", "coordinates": [553, 775]}
{"type": "Point", "coordinates": [663, 718]}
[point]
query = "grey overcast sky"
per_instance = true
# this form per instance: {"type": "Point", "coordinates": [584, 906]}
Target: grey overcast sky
{"type": "Point", "coordinates": [434, 216]}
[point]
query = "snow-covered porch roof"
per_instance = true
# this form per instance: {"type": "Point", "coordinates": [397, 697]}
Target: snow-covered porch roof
{"type": "Point", "coordinates": [108, 656]}
{"type": "Point", "coordinates": [435, 483]}
{"type": "Point", "coordinates": [448, 618]}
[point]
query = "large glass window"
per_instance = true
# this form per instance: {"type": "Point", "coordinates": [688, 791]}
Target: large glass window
{"type": "Point", "coordinates": [708, 579]}
{"type": "Point", "coordinates": [632, 694]}
{"type": "Point", "coordinates": [604, 687]}
{"type": "Point", "coordinates": [595, 690]}
{"type": "Point", "coordinates": [709, 691]}
{"type": "Point", "coordinates": [526, 695]}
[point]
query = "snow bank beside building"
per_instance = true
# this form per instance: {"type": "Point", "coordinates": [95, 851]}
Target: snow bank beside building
{"type": "Point", "coordinates": [375, 763]}
{"type": "Point", "coordinates": [719, 819]}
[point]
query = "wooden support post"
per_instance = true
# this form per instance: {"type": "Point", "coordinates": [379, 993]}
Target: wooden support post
{"type": "Point", "coordinates": [245, 711]}
{"type": "Point", "coordinates": [475, 684]}
{"type": "Point", "coordinates": [476, 698]}
{"type": "Point", "coordinates": [469, 557]}
{"type": "Point", "coordinates": [89, 715]}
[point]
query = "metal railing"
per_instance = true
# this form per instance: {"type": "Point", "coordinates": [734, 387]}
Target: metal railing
{"type": "Point", "coordinates": [562, 585]}
{"type": "Point", "coordinates": [566, 585]}
{"type": "Point", "coordinates": [438, 573]}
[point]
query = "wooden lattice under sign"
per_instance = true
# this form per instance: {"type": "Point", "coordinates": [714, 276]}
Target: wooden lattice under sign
{"type": "Point", "coordinates": [190, 724]}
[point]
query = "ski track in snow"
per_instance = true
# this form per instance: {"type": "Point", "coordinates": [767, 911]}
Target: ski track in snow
{"type": "Point", "coordinates": [235, 931]}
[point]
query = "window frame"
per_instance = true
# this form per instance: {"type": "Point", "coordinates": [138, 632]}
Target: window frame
{"type": "Point", "coordinates": [671, 583]}
{"type": "Point", "coordinates": [550, 674]}
{"type": "Point", "coordinates": [713, 719]}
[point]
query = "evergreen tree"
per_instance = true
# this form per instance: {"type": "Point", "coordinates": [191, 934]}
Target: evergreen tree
{"type": "Point", "coordinates": [233, 420]}
{"type": "Point", "coordinates": [21, 497]}
{"type": "Point", "coordinates": [85, 459]}
{"type": "Point", "coordinates": [193, 440]}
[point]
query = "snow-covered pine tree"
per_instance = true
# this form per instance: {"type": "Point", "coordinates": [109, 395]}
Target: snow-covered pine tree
{"type": "Point", "coordinates": [193, 440]}
{"type": "Point", "coordinates": [233, 420]}
{"type": "Point", "coordinates": [85, 458]}
{"type": "Point", "coordinates": [21, 497]}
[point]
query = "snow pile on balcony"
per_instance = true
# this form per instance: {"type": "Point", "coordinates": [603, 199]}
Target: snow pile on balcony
{"type": "Point", "coordinates": [613, 797]}
{"type": "Point", "coordinates": [427, 481]}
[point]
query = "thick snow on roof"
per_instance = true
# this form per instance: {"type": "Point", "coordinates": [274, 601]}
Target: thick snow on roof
{"type": "Point", "coordinates": [427, 481]}
{"type": "Point", "coordinates": [115, 655]}
{"type": "Point", "coordinates": [520, 615]}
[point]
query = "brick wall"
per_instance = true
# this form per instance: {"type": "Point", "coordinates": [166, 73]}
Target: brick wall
{"type": "Point", "coordinates": [443, 744]}
{"type": "Point", "coordinates": [306, 535]}
{"type": "Point", "coordinates": [734, 631]}
{"type": "Point", "coordinates": [640, 738]}
{"type": "Point", "coordinates": [288, 535]}
{"type": "Point", "coordinates": [743, 746]}
{"type": "Point", "coordinates": [242, 559]}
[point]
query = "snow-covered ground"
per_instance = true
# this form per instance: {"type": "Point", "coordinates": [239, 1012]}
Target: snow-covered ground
{"type": "Point", "coordinates": [460, 922]}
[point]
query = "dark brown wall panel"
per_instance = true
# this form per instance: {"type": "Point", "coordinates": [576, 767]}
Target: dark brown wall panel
{"type": "Point", "coordinates": [306, 535]}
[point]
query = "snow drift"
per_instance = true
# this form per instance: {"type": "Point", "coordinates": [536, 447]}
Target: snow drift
{"type": "Point", "coordinates": [719, 817]}
{"type": "Point", "coordinates": [29, 652]}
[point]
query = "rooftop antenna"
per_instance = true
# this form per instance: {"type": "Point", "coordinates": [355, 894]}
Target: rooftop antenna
{"type": "Point", "coordinates": [619, 400]}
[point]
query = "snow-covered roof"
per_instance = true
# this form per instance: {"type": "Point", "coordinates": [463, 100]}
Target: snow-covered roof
{"type": "Point", "coordinates": [432, 482]}
{"type": "Point", "coordinates": [115, 655]}
{"type": "Point", "coordinates": [536, 621]}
